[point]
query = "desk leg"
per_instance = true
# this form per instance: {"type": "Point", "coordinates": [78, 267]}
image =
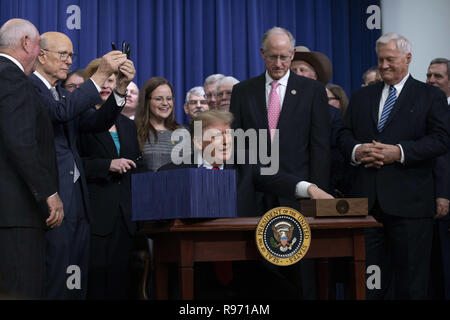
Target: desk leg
{"type": "Point", "coordinates": [160, 278]}
{"type": "Point", "coordinates": [186, 269]}
{"type": "Point", "coordinates": [323, 278]}
{"type": "Point", "coordinates": [359, 265]}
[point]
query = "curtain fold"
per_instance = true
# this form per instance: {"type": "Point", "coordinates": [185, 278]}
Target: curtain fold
{"type": "Point", "coordinates": [187, 40]}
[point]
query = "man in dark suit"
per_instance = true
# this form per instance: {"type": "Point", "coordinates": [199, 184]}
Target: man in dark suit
{"type": "Point", "coordinates": [315, 65]}
{"type": "Point", "coordinates": [294, 110]}
{"type": "Point", "coordinates": [300, 113]}
{"type": "Point", "coordinates": [392, 133]}
{"type": "Point", "coordinates": [72, 113]}
{"type": "Point", "coordinates": [29, 200]}
{"type": "Point", "coordinates": [438, 75]}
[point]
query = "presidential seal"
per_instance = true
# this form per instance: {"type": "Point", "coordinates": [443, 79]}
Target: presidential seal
{"type": "Point", "coordinates": [283, 236]}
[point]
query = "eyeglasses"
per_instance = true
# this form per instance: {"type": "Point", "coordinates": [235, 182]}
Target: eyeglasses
{"type": "Point", "coordinates": [275, 58]}
{"type": "Point", "coordinates": [195, 102]}
{"type": "Point", "coordinates": [333, 98]}
{"type": "Point", "coordinates": [161, 99]}
{"type": "Point", "coordinates": [72, 86]}
{"type": "Point", "coordinates": [63, 55]}
{"type": "Point", "coordinates": [209, 95]}
{"type": "Point", "coordinates": [222, 93]}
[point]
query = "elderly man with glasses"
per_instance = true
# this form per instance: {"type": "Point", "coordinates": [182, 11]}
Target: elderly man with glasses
{"type": "Point", "coordinates": [195, 102]}
{"type": "Point", "coordinates": [72, 113]}
{"type": "Point", "coordinates": [294, 110]}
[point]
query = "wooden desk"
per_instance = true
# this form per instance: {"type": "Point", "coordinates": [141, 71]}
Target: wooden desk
{"type": "Point", "coordinates": [230, 239]}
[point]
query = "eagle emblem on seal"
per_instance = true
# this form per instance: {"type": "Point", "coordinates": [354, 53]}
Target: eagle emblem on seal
{"type": "Point", "coordinates": [282, 231]}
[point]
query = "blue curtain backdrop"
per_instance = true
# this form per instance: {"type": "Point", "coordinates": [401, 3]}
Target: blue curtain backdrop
{"type": "Point", "coordinates": [187, 40]}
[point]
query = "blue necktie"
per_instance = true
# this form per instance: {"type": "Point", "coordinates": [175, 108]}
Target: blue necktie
{"type": "Point", "coordinates": [388, 105]}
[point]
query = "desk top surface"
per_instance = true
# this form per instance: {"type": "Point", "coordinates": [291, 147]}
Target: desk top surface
{"type": "Point", "coordinates": [249, 224]}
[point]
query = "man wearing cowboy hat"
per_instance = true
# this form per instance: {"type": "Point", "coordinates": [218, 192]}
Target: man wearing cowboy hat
{"type": "Point", "coordinates": [311, 64]}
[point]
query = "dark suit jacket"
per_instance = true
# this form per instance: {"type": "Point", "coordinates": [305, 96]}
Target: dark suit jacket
{"type": "Point", "coordinates": [248, 181]}
{"type": "Point", "coordinates": [418, 123]}
{"type": "Point", "coordinates": [28, 173]}
{"type": "Point", "coordinates": [108, 191]}
{"type": "Point", "coordinates": [304, 126]}
{"type": "Point", "coordinates": [442, 172]}
{"type": "Point", "coordinates": [73, 114]}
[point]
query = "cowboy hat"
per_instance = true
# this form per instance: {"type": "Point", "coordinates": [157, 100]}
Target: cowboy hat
{"type": "Point", "coordinates": [317, 60]}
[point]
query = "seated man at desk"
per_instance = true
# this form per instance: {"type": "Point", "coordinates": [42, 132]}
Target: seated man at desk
{"type": "Point", "coordinates": [213, 150]}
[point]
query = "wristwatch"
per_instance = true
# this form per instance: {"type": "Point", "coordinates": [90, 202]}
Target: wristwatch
{"type": "Point", "coordinates": [122, 95]}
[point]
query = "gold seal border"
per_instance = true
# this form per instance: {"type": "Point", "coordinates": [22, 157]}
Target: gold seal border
{"type": "Point", "coordinates": [259, 236]}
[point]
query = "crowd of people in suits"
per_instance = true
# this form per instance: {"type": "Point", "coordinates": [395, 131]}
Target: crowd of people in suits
{"type": "Point", "coordinates": [70, 141]}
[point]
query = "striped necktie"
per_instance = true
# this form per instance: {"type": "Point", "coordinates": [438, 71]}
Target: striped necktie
{"type": "Point", "coordinates": [388, 106]}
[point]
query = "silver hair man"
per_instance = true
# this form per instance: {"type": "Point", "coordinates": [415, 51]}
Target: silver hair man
{"type": "Point", "coordinates": [223, 92]}
{"type": "Point", "coordinates": [210, 89]}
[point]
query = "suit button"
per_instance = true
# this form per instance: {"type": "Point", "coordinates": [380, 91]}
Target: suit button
{"type": "Point", "coordinates": [118, 182]}
{"type": "Point", "coordinates": [71, 173]}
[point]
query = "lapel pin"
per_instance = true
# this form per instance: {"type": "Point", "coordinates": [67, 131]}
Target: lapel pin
{"type": "Point", "coordinates": [63, 97]}
{"type": "Point", "coordinates": [294, 92]}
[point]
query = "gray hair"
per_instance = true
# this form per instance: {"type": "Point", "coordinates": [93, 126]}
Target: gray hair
{"type": "Point", "coordinates": [225, 81]}
{"type": "Point", "coordinates": [198, 91]}
{"type": "Point", "coordinates": [403, 44]}
{"type": "Point", "coordinates": [213, 79]}
{"type": "Point", "coordinates": [15, 29]}
{"type": "Point", "coordinates": [277, 30]}
{"type": "Point", "coordinates": [442, 61]}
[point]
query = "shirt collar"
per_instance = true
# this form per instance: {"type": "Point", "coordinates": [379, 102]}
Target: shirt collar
{"type": "Point", "coordinates": [282, 81]}
{"type": "Point", "coordinates": [17, 63]}
{"type": "Point", "coordinates": [203, 163]}
{"type": "Point", "coordinates": [399, 86]}
{"type": "Point", "coordinates": [40, 76]}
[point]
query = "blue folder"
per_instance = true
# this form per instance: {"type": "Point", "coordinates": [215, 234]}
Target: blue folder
{"type": "Point", "coordinates": [184, 193]}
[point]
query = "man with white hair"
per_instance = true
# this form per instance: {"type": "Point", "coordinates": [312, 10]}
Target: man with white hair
{"type": "Point", "coordinates": [392, 133]}
{"type": "Point", "coordinates": [210, 86]}
{"type": "Point", "coordinates": [223, 92]}
{"type": "Point", "coordinates": [195, 102]}
{"type": "Point", "coordinates": [29, 200]}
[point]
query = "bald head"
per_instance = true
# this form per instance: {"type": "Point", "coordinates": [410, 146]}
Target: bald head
{"type": "Point", "coordinates": [51, 39]}
{"type": "Point", "coordinates": [56, 56]}
{"type": "Point", "coordinates": [19, 38]}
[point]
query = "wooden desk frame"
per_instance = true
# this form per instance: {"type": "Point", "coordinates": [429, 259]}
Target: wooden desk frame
{"type": "Point", "coordinates": [231, 239]}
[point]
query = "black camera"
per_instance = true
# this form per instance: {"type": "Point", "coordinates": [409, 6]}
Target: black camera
{"type": "Point", "coordinates": [125, 48]}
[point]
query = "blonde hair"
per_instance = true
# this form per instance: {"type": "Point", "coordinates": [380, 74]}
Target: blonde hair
{"type": "Point", "coordinates": [92, 68]}
{"type": "Point", "coordinates": [208, 117]}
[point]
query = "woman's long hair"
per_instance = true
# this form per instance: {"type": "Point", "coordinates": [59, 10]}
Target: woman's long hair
{"type": "Point", "coordinates": [143, 114]}
{"type": "Point", "coordinates": [339, 92]}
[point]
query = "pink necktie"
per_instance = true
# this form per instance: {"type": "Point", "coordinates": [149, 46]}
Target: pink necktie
{"type": "Point", "coordinates": [273, 110]}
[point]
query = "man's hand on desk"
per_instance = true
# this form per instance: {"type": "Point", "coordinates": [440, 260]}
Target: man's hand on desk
{"type": "Point", "coordinates": [316, 193]}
